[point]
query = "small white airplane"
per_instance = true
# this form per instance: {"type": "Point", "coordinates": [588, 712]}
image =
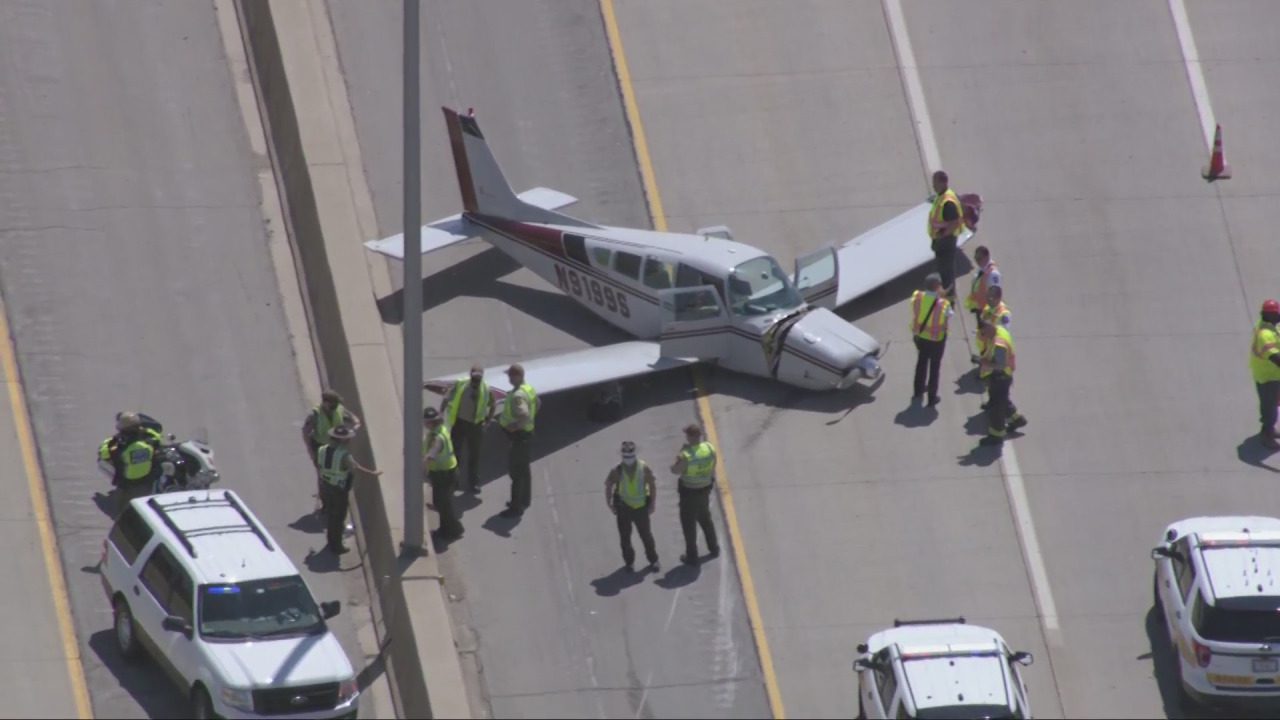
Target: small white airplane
{"type": "Point", "coordinates": [689, 298]}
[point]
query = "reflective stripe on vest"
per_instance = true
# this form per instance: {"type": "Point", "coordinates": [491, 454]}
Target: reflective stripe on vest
{"type": "Point", "coordinates": [1005, 340]}
{"type": "Point", "coordinates": [699, 464]}
{"type": "Point", "coordinates": [935, 326]}
{"type": "Point", "coordinates": [935, 212]}
{"type": "Point", "coordinates": [996, 315]}
{"type": "Point", "coordinates": [1265, 344]}
{"type": "Point", "coordinates": [325, 423]}
{"type": "Point", "coordinates": [446, 460]}
{"type": "Point", "coordinates": [508, 406]}
{"type": "Point", "coordinates": [455, 402]}
{"type": "Point", "coordinates": [978, 288]}
{"type": "Point", "coordinates": [330, 459]}
{"type": "Point", "coordinates": [136, 457]}
{"type": "Point", "coordinates": [632, 489]}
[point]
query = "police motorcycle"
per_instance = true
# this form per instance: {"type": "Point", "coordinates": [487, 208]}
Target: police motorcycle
{"type": "Point", "coordinates": [186, 465]}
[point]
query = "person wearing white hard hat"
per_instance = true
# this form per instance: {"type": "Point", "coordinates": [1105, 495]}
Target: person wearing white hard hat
{"type": "Point", "coordinates": [630, 491]}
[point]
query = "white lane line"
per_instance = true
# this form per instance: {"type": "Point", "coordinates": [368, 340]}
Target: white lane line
{"type": "Point", "coordinates": [1195, 74]}
{"type": "Point", "coordinates": [1014, 486]}
{"type": "Point", "coordinates": [911, 81]}
{"type": "Point", "coordinates": [1030, 544]}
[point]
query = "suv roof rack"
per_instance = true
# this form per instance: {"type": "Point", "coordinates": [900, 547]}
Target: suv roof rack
{"type": "Point", "coordinates": [939, 621]}
{"type": "Point", "coordinates": [163, 512]}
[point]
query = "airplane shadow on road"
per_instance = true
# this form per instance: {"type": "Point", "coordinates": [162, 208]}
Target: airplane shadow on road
{"type": "Point", "coordinates": [139, 678]}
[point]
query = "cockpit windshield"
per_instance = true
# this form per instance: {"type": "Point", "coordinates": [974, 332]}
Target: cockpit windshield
{"type": "Point", "coordinates": [759, 287]}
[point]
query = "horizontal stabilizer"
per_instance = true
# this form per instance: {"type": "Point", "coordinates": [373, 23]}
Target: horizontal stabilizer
{"type": "Point", "coordinates": [454, 229]}
{"type": "Point", "coordinates": [885, 252]}
{"type": "Point", "coordinates": [580, 368]}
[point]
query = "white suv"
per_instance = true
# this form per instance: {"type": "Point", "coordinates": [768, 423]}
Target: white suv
{"type": "Point", "coordinates": [1216, 586]}
{"type": "Point", "coordinates": [195, 577]}
{"type": "Point", "coordinates": [940, 669]}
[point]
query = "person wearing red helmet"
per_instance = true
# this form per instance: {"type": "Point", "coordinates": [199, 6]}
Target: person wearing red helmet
{"type": "Point", "coordinates": [1264, 363]}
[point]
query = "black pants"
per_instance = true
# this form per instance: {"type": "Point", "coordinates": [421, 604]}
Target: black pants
{"type": "Point", "coordinates": [130, 489]}
{"type": "Point", "coordinates": [335, 501]}
{"type": "Point", "coordinates": [1268, 396]}
{"type": "Point", "coordinates": [695, 510]}
{"type": "Point", "coordinates": [466, 436]}
{"type": "Point", "coordinates": [519, 470]}
{"type": "Point", "coordinates": [315, 448]}
{"type": "Point", "coordinates": [1000, 408]}
{"type": "Point", "coordinates": [443, 483]}
{"type": "Point", "coordinates": [639, 517]}
{"type": "Point", "coordinates": [928, 365]}
{"type": "Point", "coordinates": [944, 256]}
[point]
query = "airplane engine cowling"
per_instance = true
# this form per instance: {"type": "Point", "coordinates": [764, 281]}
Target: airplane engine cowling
{"type": "Point", "coordinates": [824, 352]}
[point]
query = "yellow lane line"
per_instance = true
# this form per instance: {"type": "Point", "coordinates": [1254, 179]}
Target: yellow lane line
{"type": "Point", "coordinates": [704, 405]}
{"type": "Point", "coordinates": [40, 505]}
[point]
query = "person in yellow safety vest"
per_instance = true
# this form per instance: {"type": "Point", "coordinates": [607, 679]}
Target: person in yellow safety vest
{"type": "Point", "coordinates": [946, 222]}
{"type": "Point", "coordinates": [998, 364]}
{"type": "Point", "coordinates": [440, 468]}
{"type": "Point", "coordinates": [988, 276]}
{"type": "Point", "coordinates": [467, 409]}
{"type": "Point", "coordinates": [631, 492]}
{"type": "Point", "coordinates": [1264, 364]}
{"type": "Point", "coordinates": [131, 453]}
{"type": "Point", "coordinates": [930, 313]}
{"type": "Point", "coordinates": [337, 467]}
{"type": "Point", "coordinates": [696, 466]}
{"type": "Point", "coordinates": [519, 409]}
{"type": "Point", "coordinates": [330, 413]}
{"type": "Point", "coordinates": [994, 312]}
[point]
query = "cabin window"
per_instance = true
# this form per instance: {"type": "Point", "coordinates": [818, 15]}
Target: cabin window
{"type": "Point", "coordinates": [576, 248]}
{"type": "Point", "coordinates": [602, 256]}
{"type": "Point", "coordinates": [692, 277]}
{"type": "Point", "coordinates": [658, 274]}
{"type": "Point", "coordinates": [627, 264]}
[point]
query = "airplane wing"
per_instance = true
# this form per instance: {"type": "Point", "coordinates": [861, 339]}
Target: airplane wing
{"type": "Point", "coordinates": [842, 273]}
{"type": "Point", "coordinates": [580, 368]}
{"type": "Point", "coordinates": [454, 229]}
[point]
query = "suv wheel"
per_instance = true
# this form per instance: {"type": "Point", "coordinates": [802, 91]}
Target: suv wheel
{"type": "Point", "coordinates": [125, 631]}
{"type": "Point", "coordinates": [201, 706]}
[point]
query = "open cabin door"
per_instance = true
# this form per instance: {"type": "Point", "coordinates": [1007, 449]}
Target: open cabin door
{"type": "Point", "coordinates": [694, 323]}
{"type": "Point", "coordinates": [817, 277]}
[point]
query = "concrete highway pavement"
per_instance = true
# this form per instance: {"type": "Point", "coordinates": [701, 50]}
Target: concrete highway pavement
{"type": "Point", "coordinates": [797, 134]}
{"type": "Point", "coordinates": [552, 626]}
{"type": "Point", "coordinates": [40, 672]}
{"type": "Point", "coordinates": [1131, 282]}
{"type": "Point", "coordinates": [1133, 286]}
{"type": "Point", "coordinates": [135, 265]}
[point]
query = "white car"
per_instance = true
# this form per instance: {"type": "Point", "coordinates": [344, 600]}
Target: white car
{"type": "Point", "coordinates": [1216, 586]}
{"type": "Point", "coordinates": [196, 579]}
{"type": "Point", "coordinates": [940, 669]}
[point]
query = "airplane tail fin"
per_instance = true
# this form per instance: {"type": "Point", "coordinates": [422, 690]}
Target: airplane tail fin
{"type": "Point", "coordinates": [485, 190]}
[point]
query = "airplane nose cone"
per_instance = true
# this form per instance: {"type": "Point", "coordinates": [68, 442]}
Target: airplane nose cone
{"type": "Point", "coordinates": [834, 343]}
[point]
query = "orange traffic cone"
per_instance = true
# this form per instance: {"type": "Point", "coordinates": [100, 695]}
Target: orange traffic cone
{"type": "Point", "coordinates": [1218, 168]}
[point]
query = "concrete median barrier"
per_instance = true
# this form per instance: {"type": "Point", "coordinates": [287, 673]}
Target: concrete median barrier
{"type": "Point", "coordinates": [288, 47]}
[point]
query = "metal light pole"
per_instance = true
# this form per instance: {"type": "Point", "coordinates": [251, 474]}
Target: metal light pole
{"type": "Point", "coordinates": [414, 510]}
